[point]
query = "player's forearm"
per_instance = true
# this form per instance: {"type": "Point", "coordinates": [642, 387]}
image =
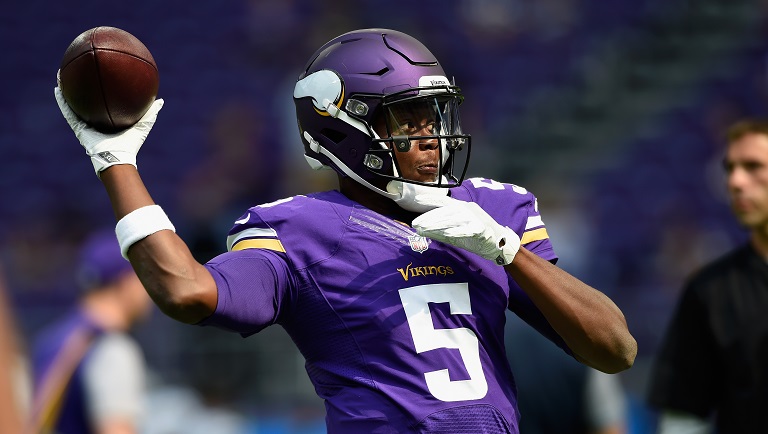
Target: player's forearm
{"type": "Point", "coordinates": [125, 188]}
{"type": "Point", "coordinates": [591, 325]}
{"type": "Point", "coordinates": [180, 286]}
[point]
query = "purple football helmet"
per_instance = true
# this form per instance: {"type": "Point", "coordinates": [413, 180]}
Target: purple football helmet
{"type": "Point", "coordinates": [374, 75]}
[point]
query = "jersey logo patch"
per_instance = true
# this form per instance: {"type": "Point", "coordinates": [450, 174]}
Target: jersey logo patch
{"type": "Point", "coordinates": [418, 243]}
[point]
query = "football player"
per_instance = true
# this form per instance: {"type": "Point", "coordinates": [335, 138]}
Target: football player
{"type": "Point", "coordinates": [393, 287]}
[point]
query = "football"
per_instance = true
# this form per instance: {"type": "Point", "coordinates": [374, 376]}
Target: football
{"type": "Point", "coordinates": [109, 78]}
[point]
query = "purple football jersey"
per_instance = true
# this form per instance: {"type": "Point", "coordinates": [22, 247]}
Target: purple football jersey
{"type": "Point", "coordinates": [400, 333]}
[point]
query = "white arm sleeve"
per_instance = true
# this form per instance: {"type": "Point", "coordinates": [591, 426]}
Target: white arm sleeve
{"type": "Point", "coordinates": [114, 379]}
{"type": "Point", "coordinates": [682, 423]}
{"type": "Point", "coordinates": [606, 403]}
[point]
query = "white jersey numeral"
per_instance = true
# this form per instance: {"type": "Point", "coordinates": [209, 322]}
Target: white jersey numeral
{"type": "Point", "coordinates": [416, 301]}
{"type": "Point", "coordinates": [495, 185]}
{"type": "Point", "coordinates": [277, 202]}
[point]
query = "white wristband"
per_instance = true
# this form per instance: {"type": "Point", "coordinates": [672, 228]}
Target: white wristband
{"type": "Point", "coordinates": [139, 224]}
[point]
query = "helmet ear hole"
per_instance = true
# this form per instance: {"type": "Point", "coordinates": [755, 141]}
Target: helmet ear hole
{"type": "Point", "coordinates": [333, 135]}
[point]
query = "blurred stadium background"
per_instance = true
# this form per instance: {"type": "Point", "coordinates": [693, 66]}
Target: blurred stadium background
{"type": "Point", "coordinates": [612, 112]}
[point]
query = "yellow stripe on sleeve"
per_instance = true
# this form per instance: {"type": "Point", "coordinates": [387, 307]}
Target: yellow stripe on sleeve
{"type": "Point", "coordinates": [259, 243]}
{"type": "Point", "coordinates": [534, 235]}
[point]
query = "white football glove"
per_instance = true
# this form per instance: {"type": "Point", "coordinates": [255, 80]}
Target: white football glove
{"type": "Point", "coordinates": [108, 150]}
{"type": "Point", "coordinates": [406, 194]}
{"type": "Point", "coordinates": [467, 226]}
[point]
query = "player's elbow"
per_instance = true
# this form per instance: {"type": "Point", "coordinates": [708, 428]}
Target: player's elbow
{"type": "Point", "coordinates": [623, 354]}
{"type": "Point", "coordinates": [610, 354]}
{"type": "Point", "coordinates": [187, 307]}
{"type": "Point", "coordinates": [188, 300]}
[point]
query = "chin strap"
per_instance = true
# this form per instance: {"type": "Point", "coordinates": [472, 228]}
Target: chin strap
{"type": "Point", "coordinates": [315, 146]}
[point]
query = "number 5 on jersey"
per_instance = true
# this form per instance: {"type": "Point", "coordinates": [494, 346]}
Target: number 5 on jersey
{"type": "Point", "coordinates": [416, 301]}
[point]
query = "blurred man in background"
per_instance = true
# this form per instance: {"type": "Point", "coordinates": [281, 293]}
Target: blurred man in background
{"type": "Point", "coordinates": [712, 368]}
{"type": "Point", "coordinates": [89, 374]}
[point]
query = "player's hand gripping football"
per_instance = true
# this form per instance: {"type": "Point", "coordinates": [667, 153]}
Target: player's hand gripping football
{"type": "Point", "coordinates": [466, 225]}
{"type": "Point", "coordinates": [108, 150]}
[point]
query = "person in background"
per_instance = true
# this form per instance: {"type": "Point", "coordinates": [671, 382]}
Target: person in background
{"type": "Point", "coordinates": [13, 368]}
{"type": "Point", "coordinates": [394, 290]}
{"type": "Point", "coordinates": [711, 371]}
{"type": "Point", "coordinates": [88, 372]}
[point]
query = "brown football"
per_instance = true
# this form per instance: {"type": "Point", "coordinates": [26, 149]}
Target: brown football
{"type": "Point", "coordinates": [109, 78]}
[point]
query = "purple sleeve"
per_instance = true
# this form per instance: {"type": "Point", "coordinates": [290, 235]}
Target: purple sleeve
{"type": "Point", "coordinates": [252, 288]}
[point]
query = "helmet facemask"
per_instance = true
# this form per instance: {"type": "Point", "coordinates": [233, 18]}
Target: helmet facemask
{"type": "Point", "coordinates": [411, 118]}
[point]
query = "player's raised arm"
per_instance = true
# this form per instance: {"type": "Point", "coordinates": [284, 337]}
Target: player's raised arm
{"type": "Point", "coordinates": [181, 287]}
